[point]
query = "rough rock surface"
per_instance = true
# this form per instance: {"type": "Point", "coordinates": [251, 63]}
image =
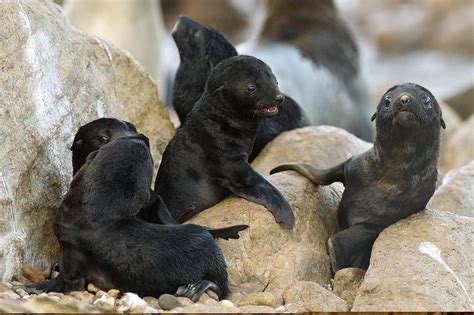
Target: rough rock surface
{"type": "Point", "coordinates": [463, 102]}
{"type": "Point", "coordinates": [54, 79]}
{"type": "Point", "coordinates": [306, 296]}
{"type": "Point", "coordinates": [135, 26]}
{"type": "Point", "coordinates": [269, 256]}
{"type": "Point", "coordinates": [347, 282]}
{"type": "Point", "coordinates": [321, 146]}
{"type": "Point", "coordinates": [422, 263]}
{"type": "Point", "coordinates": [460, 147]}
{"type": "Point", "coordinates": [456, 193]}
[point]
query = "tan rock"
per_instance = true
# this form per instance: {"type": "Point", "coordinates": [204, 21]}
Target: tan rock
{"type": "Point", "coordinates": [33, 274]}
{"type": "Point", "coordinates": [53, 80]}
{"type": "Point", "coordinates": [152, 301]}
{"type": "Point", "coordinates": [321, 146]}
{"type": "Point", "coordinates": [201, 308]}
{"type": "Point", "coordinates": [259, 298]}
{"type": "Point", "coordinates": [306, 296]}
{"type": "Point", "coordinates": [267, 254]}
{"type": "Point", "coordinates": [463, 102]}
{"type": "Point", "coordinates": [456, 193]}
{"type": "Point", "coordinates": [257, 309]}
{"type": "Point", "coordinates": [422, 263]}
{"type": "Point", "coordinates": [460, 147]}
{"type": "Point", "coordinates": [44, 305]}
{"type": "Point", "coordinates": [347, 282]}
{"type": "Point", "coordinates": [135, 26]}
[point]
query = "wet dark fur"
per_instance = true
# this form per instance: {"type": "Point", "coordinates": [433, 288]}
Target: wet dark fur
{"type": "Point", "coordinates": [391, 181]}
{"type": "Point", "coordinates": [103, 242]}
{"type": "Point", "coordinates": [93, 135]}
{"type": "Point", "coordinates": [201, 48]}
{"type": "Point", "coordinates": [208, 157]}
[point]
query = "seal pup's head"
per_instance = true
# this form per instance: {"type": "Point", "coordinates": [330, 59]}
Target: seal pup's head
{"type": "Point", "coordinates": [408, 111]}
{"type": "Point", "coordinates": [198, 43]}
{"type": "Point", "coordinates": [246, 87]}
{"type": "Point", "coordinates": [91, 136]}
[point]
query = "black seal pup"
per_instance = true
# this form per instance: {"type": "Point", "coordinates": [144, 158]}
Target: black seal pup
{"type": "Point", "coordinates": [93, 135]}
{"type": "Point", "coordinates": [201, 48]}
{"type": "Point", "coordinates": [391, 181]}
{"type": "Point", "coordinates": [103, 242]}
{"type": "Point", "coordinates": [207, 159]}
{"type": "Point", "coordinates": [316, 60]}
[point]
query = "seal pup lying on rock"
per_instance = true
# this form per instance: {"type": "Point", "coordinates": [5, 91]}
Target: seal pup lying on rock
{"type": "Point", "coordinates": [207, 159]}
{"type": "Point", "coordinates": [103, 242]}
{"type": "Point", "coordinates": [201, 48]}
{"type": "Point", "coordinates": [93, 135]}
{"type": "Point", "coordinates": [394, 179]}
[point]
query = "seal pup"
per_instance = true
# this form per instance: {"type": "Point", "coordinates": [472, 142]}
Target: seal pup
{"type": "Point", "coordinates": [316, 60]}
{"type": "Point", "coordinates": [103, 242]}
{"type": "Point", "coordinates": [201, 48]}
{"type": "Point", "coordinates": [93, 135]}
{"type": "Point", "coordinates": [394, 179]}
{"type": "Point", "coordinates": [207, 159]}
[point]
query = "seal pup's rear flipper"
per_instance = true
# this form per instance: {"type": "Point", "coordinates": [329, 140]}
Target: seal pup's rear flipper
{"type": "Point", "coordinates": [228, 232]}
{"type": "Point", "coordinates": [194, 291]}
{"type": "Point", "coordinates": [316, 176]}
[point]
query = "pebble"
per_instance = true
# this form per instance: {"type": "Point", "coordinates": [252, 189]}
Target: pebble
{"type": "Point", "coordinates": [113, 293]}
{"type": "Point", "coordinates": [259, 298]}
{"type": "Point", "coordinates": [168, 302]}
{"type": "Point", "coordinates": [280, 309]}
{"type": "Point", "coordinates": [83, 296]}
{"type": "Point", "coordinates": [99, 294]}
{"type": "Point", "coordinates": [184, 300]}
{"type": "Point", "coordinates": [33, 274]}
{"type": "Point", "coordinates": [56, 294]}
{"type": "Point", "coordinates": [152, 301]}
{"type": "Point", "coordinates": [92, 288]}
{"type": "Point", "coordinates": [22, 293]}
{"type": "Point", "coordinates": [226, 303]}
{"type": "Point", "coordinates": [259, 309]}
{"type": "Point", "coordinates": [212, 295]}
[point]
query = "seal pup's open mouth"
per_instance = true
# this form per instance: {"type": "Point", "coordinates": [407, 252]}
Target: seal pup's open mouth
{"type": "Point", "coordinates": [269, 110]}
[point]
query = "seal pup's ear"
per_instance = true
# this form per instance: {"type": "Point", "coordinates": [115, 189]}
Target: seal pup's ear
{"type": "Point", "coordinates": [76, 145]}
{"type": "Point", "coordinates": [373, 116]}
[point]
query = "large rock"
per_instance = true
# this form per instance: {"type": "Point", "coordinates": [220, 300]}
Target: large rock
{"type": "Point", "coordinates": [422, 263]}
{"type": "Point", "coordinates": [322, 147]}
{"type": "Point", "coordinates": [135, 26]}
{"type": "Point", "coordinates": [456, 193]}
{"type": "Point", "coordinates": [463, 102]}
{"type": "Point", "coordinates": [460, 147]}
{"type": "Point", "coordinates": [306, 296]}
{"type": "Point", "coordinates": [268, 255]}
{"type": "Point", "coordinates": [53, 80]}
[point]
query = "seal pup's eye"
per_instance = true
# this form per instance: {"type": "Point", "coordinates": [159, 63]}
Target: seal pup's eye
{"type": "Point", "coordinates": [426, 100]}
{"type": "Point", "coordinates": [387, 100]}
{"type": "Point", "coordinates": [251, 88]}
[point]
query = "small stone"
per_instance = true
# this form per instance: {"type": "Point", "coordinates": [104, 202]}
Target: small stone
{"type": "Point", "coordinates": [85, 296]}
{"type": "Point", "coordinates": [132, 303]}
{"type": "Point", "coordinates": [227, 303]}
{"type": "Point", "coordinates": [212, 295]}
{"type": "Point", "coordinates": [257, 309]}
{"type": "Point", "coordinates": [92, 288]}
{"type": "Point", "coordinates": [280, 309]}
{"type": "Point", "coordinates": [99, 294]}
{"type": "Point", "coordinates": [20, 280]}
{"type": "Point", "coordinates": [259, 298]}
{"type": "Point", "coordinates": [5, 286]}
{"type": "Point", "coordinates": [106, 304]}
{"type": "Point", "coordinates": [184, 300]}
{"type": "Point", "coordinates": [347, 282]}
{"type": "Point", "coordinates": [201, 308]}
{"type": "Point", "coordinates": [113, 293]}
{"type": "Point", "coordinates": [209, 301]}
{"type": "Point", "coordinates": [9, 295]}
{"type": "Point", "coordinates": [33, 274]}
{"type": "Point", "coordinates": [22, 293]}
{"type": "Point", "coordinates": [168, 302]}
{"type": "Point", "coordinates": [307, 296]}
{"type": "Point", "coordinates": [55, 294]}
{"type": "Point", "coordinates": [152, 301]}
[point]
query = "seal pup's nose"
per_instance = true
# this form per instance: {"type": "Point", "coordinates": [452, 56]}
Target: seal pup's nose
{"type": "Point", "coordinates": [405, 99]}
{"type": "Point", "coordinates": [279, 98]}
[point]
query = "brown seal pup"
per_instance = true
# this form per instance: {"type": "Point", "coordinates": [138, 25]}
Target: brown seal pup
{"type": "Point", "coordinates": [391, 181]}
{"type": "Point", "coordinates": [207, 159]}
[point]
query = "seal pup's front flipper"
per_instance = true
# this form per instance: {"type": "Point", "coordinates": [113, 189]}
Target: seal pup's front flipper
{"type": "Point", "coordinates": [248, 184]}
{"type": "Point", "coordinates": [316, 176]}
{"type": "Point", "coordinates": [194, 291]}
